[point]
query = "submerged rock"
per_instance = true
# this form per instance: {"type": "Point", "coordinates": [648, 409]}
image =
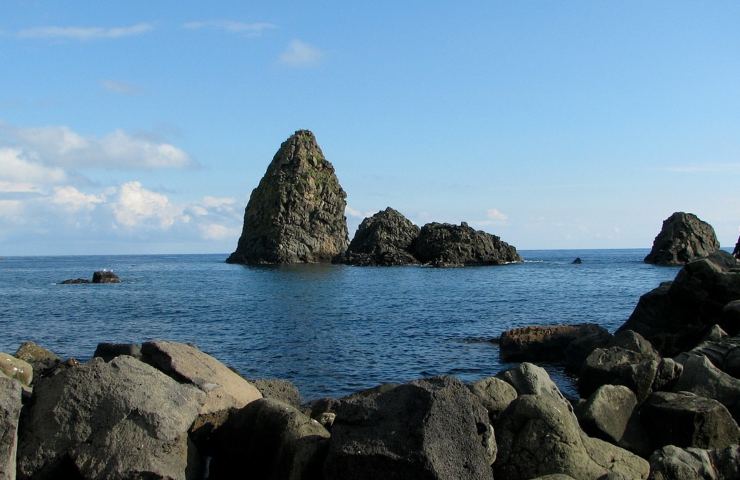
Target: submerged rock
{"type": "Point", "coordinates": [386, 238]}
{"type": "Point", "coordinates": [444, 244]}
{"type": "Point", "coordinates": [122, 419]}
{"type": "Point", "coordinates": [545, 342]}
{"type": "Point", "coordinates": [296, 213]}
{"type": "Point", "coordinates": [429, 428]}
{"type": "Point", "coordinates": [74, 281]}
{"type": "Point", "coordinates": [682, 239]}
{"type": "Point", "coordinates": [676, 315]}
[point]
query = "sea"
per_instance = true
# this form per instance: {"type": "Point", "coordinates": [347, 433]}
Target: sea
{"type": "Point", "coordinates": [330, 329]}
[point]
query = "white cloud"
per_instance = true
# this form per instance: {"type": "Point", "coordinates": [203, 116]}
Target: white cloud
{"type": "Point", "coordinates": [254, 29]}
{"type": "Point", "coordinates": [17, 187]}
{"type": "Point", "coordinates": [136, 206]}
{"type": "Point", "coordinates": [17, 168]}
{"type": "Point", "coordinates": [85, 33]}
{"type": "Point", "coordinates": [60, 145]}
{"type": "Point", "coordinates": [300, 54]}
{"type": "Point", "coordinates": [216, 231]}
{"type": "Point", "coordinates": [73, 200]}
{"type": "Point", "coordinates": [496, 215]}
{"type": "Point", "coordinates": [218, 202]}
{"type": "Point", "coordinates": [354, 213]}
{"type": "Point", "coordinates": [121, 88]}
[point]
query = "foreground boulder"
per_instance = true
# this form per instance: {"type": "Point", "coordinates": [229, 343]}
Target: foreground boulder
{"type": "Point", "coordinates": [296, 213]}
{"type": "Point", "coordinates": [494, 394]}
{"type": "Point", "coordinates": [117, 420]}
{"type": "Point", "coordinates": [607, 412]}
{"type": "Point", "coordinates": [431, 428]}
{"type": "Point", "coordinates": [545, 342]}
{"type": "Point", "coordinates": [16, 368]}
{"type": "Point", "coordinates": [699, 376]}
{"type": "Point", "coordinates": [270, 440]}
{"type": "Point", "coordinates": [618, 366]}
{"type": "Point", "coordinates": [674, 463]}
{"type": "Point", "coordinates": [682, 239]}
{"type": "Point", "coordinates": [443, 244]}
{"type": "Point", "coordinates": [688, 420]}
{"type": "Point", "coordinates": [530, 379]}
{"type": "Point", "coordinates": [278, 389]}
{"type": "Point", "coordinates": [10, 410]}
{"type": "Point", "coordinates": [385, 239]}
{"type": "Point", "coordinates": [538, 435]}
{"type": "Point", "coordinates": [676, 315]}
{"type": "Point", "coordinates": [224, 389]}
{"type": "Point", "coordinates": [38, 357]}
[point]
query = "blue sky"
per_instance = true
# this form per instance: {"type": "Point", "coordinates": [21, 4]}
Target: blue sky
{"type": "Point", "coordinates": [142, 127]}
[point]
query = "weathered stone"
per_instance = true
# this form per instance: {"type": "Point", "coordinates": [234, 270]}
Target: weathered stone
{"type": "Point", "coordinates": [109, 351]}
{"type": "Point", "coordinates": [225, 389]}
{"type": "Point", "coordinates": [494, 394]}
{"type": "Point", "coordinates": [529, 379]}
{"type": "Point", "coordinates": [607, 412]}
{"type": "Point", "coordinates": [634, 342]}
{"type": "Point", "coordinates": [715, 334]}
{"type": "Point", "coordinates": [674, 463]}
{"type": "Point", "coordinates": [667, 374]}
{"type": "Point", "coordinates": [16, 368]}
{"type": "Point", "coordinates": [687, 420]}
{"type": "Point", "coordinates": [580, 348]}
{"type": "Point", "coordinates": [719, 351]}
{"type": "Point", "coordinates": [38, 357]}
{"type": "Point", "coordinates": [105, 276]}
{"type": "Point", "coordinates": [545, 342]}
{"type": "Point", "coordinates": [555, 476]}
{"type": "Point", "coordinates": [386, 239]}
{"type": "Point", "coordinates": [682, 239]}
{"type": "Point", "coordinates": [730, 317]}
{"type": "Point", "coordinates": [431, 428]}
{"type": "Point", "coordinates": [116, 420]}
{"type": "Point", "coordinates": [296, 213]}
{"type": "Point", "coordinates": [539, 435]}
{"type": "Point", "coordinates": [270, 440]}
{"type": "Point", "coordinates": [618, 366]}
{"type": "Point", "coordinates": [675, 315]}
{"type": "Point", "coordinates": [736, 251]}
{"type": "Point", "coordinates": [444, 244]}
{"type": "Point", "coordinates": [279, 389]}
{"type": "Point", "coordinates": [699, 376]}
{"type": "Point", "coordinates": [10, 410]}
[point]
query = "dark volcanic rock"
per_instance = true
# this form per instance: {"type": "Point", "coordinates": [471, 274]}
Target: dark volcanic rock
{"type": "Point", "coordinates": [618, 366]}
{"type": "Point", "coordinates": [545, 342]}
{"type": "Point", "coordinates": [444, 244]}
{"type": "Point", "coordinates": [736, 252]}
{"type": "Point", "coordinates": [688, 420]}
{"type": "Point", "coordinates": [108, 351]}
{"type": "Point", "coordinates": [386, 238]}
{"type": "Point", "coordinates": [699, 376]}
{"type": "Point", "coordinates": [10, 410]}
{"type": "Point", "coordinates": [105, 276]}
{"type": "Point", "coordinates": [427, 429]}
{"type": "Point", "coordinates": [683, 238]}
{"type": "Point", "coordinates": [278, 389]}
{"type": "Point", "coordinates": [577, 261]}
{"type": "Point", "coordinates": [296, 213]}
{"type": "Point", "coordinates": [494, 394]}
{"type": "Point", "coordinates": [38, 357]}
{"type": "Point", "coordinates": [676, 315]}
{"type": "Point", "coordinates": [74, 281]}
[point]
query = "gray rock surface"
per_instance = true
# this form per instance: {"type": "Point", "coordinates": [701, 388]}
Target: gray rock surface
{"type": "Point", "coordinates": [431, 428]}
{"type": "Point", "coordinates": [10, 410]}
{"type": "Point", "coordinates": [444, 244]}
{"type": "Point", "coordinates": [494, 394]}
{"type": "Point", "coordinates": [674, 463]}
{"type": "Point", "coordinates": [607, 412]}
{"type": "Point", "coordinates": [545, 342]}
{"type": "Point", "coordinates": [108, 351]}
{"type": "Point", "coordinates": [224, 389]}
{"type": "Point", "coordinates": [674, 316]}
{"type": "Point", "coordinates": [687, 420]}
{"type": "Point", "coordinates": [618, 366]}
{"type": "Point", "coordinates": [270, 440]}
{"type": "Point", "coordinates": [721, 352]}
{"type": "Point", "coordinates": [682, 239]}
{"type": "Point", "coordinates": [634, 342]}
{"type": "Point", "coordinates": [699, 376]}
{"type": "Point", "coordinates": [38, 357]}
{"type": "Point", "coordinates": [279, 389]}
{"type": "Point", "coordinates": [117, 420]}
{"type": "Point", "coordinates": [16, 368]}
{"type": "Point", "coordinates": [530, 379]}
{"type": "Point", "coordinates": [668, 373]}
{"type": "Point", "coordinates": [296, 213]}
{"type": "Point", "coordinates": [539, 435]}
{"type": "Point", "coordinates": [385, 239]}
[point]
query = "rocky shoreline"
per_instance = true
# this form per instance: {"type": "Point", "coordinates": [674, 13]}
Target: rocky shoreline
{"type": "Point", "coordinates": [660, 400]}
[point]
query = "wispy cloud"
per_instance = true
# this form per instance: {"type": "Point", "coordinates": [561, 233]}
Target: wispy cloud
{"type": "Point", "coordinates": [300, 54]}
{"type": "Point", "coordinates": [494, 216]}
{"type": "Point", "coordinates": [121, 88]}
{"type": "Point", "coordinates": [354, 213]}
{"type": "Point", "coordinates": [704, 168]}
{"type": "Point", "coordinates": [85, 33]}
{"type": "Point", "coordinates": [254, 29]}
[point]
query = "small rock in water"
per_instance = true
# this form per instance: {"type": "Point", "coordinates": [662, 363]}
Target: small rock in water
{"type": "Point", "coordinates": [105, 276]}
{"type": "Point", "coordinates": [577, 261]}
{"type": "Point", "coordinates": [74, 281]}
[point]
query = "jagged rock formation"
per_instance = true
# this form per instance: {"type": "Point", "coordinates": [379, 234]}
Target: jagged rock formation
{"type": "Point", "coordinates": [386, 238]}
{"type": "Point", "coordinates": [683, 238]}
{"type": "Point", "coordinates": [296, 213]}
{"type": "Point", "coordinates": [736, 252]}
{"type": "Point", "coordinates": [444, 244]}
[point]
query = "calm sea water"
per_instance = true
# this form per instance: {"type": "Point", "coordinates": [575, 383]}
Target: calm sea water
{"type": "Point", "coordinates": [329, 329]}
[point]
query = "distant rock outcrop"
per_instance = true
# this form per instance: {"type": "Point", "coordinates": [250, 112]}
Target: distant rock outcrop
{"type": "Point", "coordinates": [736, 252]}
{"type": "Point", "coordinates": [296, 213]}
{"type": "Point", "coordinates": [683, 238]}
{"type": "Point", "coordinates": [101, 276]}
{"type": "Point", "coordinates": [444, 244]}
{"type": "Point", "coordinates": [386, 238]}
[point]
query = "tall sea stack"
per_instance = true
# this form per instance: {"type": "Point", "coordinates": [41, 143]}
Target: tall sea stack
{"type": "Point", "coordinates": [683, 239]}
{"type": "Point", "coordinates": [296, 213]}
